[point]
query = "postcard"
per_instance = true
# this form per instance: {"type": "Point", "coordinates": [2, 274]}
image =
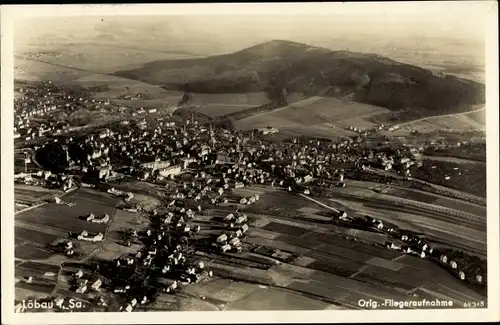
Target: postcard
{"type": "Point", "coordinates": [270, 162]}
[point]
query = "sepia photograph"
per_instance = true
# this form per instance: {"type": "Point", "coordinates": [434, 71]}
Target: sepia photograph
{"type": "Point", "coordinates": [252, 158]}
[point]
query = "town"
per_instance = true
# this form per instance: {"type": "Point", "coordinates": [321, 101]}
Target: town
{"type": "Point", "coordinates": [188, 199]}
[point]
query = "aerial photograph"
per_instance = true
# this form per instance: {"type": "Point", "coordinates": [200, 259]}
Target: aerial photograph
{"type": "Point", "coordinates": [249, 162]}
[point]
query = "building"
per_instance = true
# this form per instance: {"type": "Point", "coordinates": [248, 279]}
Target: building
{"type": "Point", "coordinates": [267, 130]}
{"type": "Point", "coordinates": [97, 285]}
{"type": "Point", "coordinates": [59, 302]}
{"type": "Point", "coordinates": [155, 165]}
{"type": "Point", "coordinates": [82, 289]}
{"type": "Point", "coordinates": [86, 237]}
{"type": "Point", "coordinates": [223, 159]}
{"type": "Point", "coordinates": [104, 219]}
{"type": "Point", "coordinates": [171, 171]}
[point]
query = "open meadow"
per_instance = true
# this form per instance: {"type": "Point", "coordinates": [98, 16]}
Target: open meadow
{"type": "Point", "coordinates": [461, 122]}
{"type": "Point", "coordinates": [98, 57]}
{"type": "Point", "coordinates": [40, 226]}
{"type": "Point", "coordinates": [37, 229]}
{"type": "Point", "coordinates": [315, 116]}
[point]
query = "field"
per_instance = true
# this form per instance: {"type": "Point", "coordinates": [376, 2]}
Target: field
{"type": "Point", "coordinates": [221, 104]}
{"type": "Point", "coordinates": [123, 220]}
{"type": "Point", "coordinates": [114, 87]}
{"type": "Point", "coordinates": [330, 269]}
{"type": "Point", "coordinates": [37, 229]}
{"type": "Point", "coordinates": [121, 86]}
{"type": "Point", "coordinates": [43, 225]}
{"type": "Point", "coordinates": [98, 57]}
{"type": "Point", "coordinates": [315, 116]}
{"type": "Point", "coordinates": [35, 70]}
{"type": "Point", "coordinates": [451, 123]}
{"type": "Point", "coordinates": [440, 201]}
{"type": "Point", "coordinates": [440, 226]}
{"type": "Point", "coordinates": [479, 117]}
{"type": "Point", "coordinates": [470, 178]}
{"type": "Point", "coordinates": [325, 268]}
{"type": "Point", "coordinates": [33, 194]}
{"type": "Point", "coordinates": [471, 152]}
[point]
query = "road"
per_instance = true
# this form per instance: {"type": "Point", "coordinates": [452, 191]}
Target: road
{"type": "Point", "coordinates": [319, 203]}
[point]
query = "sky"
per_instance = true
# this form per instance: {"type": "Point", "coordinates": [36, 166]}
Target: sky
{"type": "Point", "coordinates": [456, 19]}
{"type": "Point", "coordinates": [214, 29]}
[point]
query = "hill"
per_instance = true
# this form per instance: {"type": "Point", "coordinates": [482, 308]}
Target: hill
{"type": "Point", "coordinates": [280, 67]}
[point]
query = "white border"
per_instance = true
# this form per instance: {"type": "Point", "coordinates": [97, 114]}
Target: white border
{"type": "Point", "coordinates": [381, 9]}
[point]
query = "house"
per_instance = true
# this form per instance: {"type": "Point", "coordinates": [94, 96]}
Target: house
{"type": "Point", "coordinates": [244, 228]}
{"type": "Point", "coordinates": [226, 248]}
{"type": "Point", "coordinates": [223, 159]}
{"type": "Point", "coordinates": [235, 242]}
{"type": "Point", "coordinates": [59, 302]}
{"type": "Point", "coordinates": [81, 289]}
{"type": "Point", "coordinates": [171, 171]}
{"type": "Point", "coordinates": [97, 285]}
{"type": "Point", "coordinates": [241, 219]}
{"type": "Point", "coordinates": [85, 236]}
{"type": "Point", "coordinates": [104, 219]}
{"type": "Point", "coordinates": [267, 130]}
{"type": "Point", "coordinates": [222, 239]}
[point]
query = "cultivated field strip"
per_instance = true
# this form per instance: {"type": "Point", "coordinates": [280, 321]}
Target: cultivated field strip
{"type": "Point", "coordinates": [366, 265]}
{"type": "Point", "coordinates": [455, 215]}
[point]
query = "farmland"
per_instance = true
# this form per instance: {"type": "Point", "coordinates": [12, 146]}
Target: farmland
{"type": "Point", "coordinates": [470, 178]}
{"type": "Point", "coordinates": [33, 195]}
{"type": "Point", "coordinates": [472, 151]}
{"type": "Point", "coordinates": [462, 122]}
{"type": "Point", "coordinates": [36, 70]}
{"type": "Point", "coordinates": [315, 116]}
{"type": "Point", "coordinates": [104, 58]}
{"type": "Point", "coordinates": [327, 268]}
{"type": "Point", "coordinates": [216, 105]}
{"type": "Point", "coordinates": [38, 229]}
{"type": "Point", "coordinates": [331, 267]}
{"type": "Point", "coordinates": [445, 220]}
{"type": "Point", "coordinates": [121, 87]}
{"type": "Point", "coordinates": [43, 225]}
